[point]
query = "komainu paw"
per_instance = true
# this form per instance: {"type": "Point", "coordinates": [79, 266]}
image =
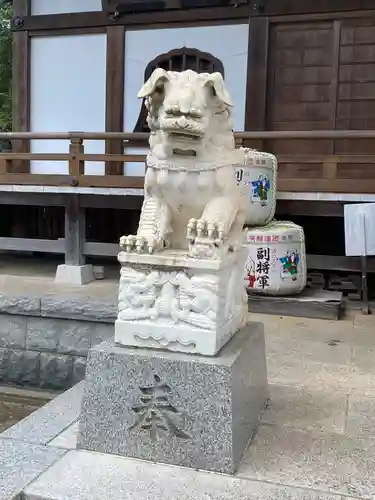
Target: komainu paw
{"type": "Point", "coordinates": [200, 230]}
{"type": "Point", "coordinates": [140, 244]}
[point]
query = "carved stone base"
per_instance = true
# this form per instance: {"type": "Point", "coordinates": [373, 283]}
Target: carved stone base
{"type": "Point", "coordinates": [170, 301]}
{"type": "Point", "coordinates": [175, 408]}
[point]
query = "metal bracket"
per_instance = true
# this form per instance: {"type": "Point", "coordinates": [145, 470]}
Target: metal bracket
{"type": "Point", "coordinates": [258, 6]}
{"type": "Point", "coordinates": [114, 16]}
{"type": "Point", "coordinates": [18, 23]}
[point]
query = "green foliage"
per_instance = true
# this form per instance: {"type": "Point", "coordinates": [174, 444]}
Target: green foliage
{"type": "Point", "coordinates": [5, 68]}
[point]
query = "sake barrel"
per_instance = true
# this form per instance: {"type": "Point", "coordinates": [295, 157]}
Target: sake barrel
{"type": "Point", "coordinates": [276, 263]}
{"type": "Point", "coordinates": [259, 174]}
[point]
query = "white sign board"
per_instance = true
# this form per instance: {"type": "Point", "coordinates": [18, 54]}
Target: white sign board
{"type": "Point", "coordinates": [359, 221]}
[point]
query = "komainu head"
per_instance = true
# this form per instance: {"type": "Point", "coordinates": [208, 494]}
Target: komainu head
{"type": "Point", "coordinates": [188, 112]}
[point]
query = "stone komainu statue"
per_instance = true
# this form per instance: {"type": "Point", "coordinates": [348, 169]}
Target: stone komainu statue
{"type": "Point", "coordinates": [192, 199]}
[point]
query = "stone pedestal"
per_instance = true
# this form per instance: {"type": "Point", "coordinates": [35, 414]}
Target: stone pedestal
{"type": "Point", "coordinates": [174, 407]}
{"type": "Point", "coordinates": [168, 300]}
{"type": "Point", "coordinates": [74, 275]}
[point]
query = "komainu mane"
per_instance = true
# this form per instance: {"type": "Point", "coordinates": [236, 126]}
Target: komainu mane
{"type": "Point", "coordinates": [192, 200]}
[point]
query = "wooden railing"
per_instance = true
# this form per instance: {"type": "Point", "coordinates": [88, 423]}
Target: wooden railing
{"type": "Point", "coordinates": [297, 172]}
{"type": "Point", "coordinates": [76, 158]}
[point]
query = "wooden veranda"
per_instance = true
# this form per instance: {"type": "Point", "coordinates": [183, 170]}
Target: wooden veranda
{"type": "Point", "coordinates": [334, 179]}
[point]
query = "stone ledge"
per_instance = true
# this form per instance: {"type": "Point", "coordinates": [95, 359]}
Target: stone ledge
{"type": "Point", "coordinates": [20, 305]}
{"type": "Point", "coordinates": [59, 307]}
{"type": "Point", "coordinates": [45, 424]}
{"type": "Point", "coordinates": [64, 308]}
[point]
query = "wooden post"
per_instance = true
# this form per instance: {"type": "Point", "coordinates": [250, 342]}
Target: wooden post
{"type": "Point", "coordinates": [76, 165]}
{"type": "Point", "coordinates": [334, 87]}
{"type": "Point", "coordinates": [330, 168]}
{"type": "Point", "coordinates": [114, 121]}
{"type": "Point", "coordinates": [365, 302]}
{"type": "Point", "coordinates": [3, 166]}
{"type": "Point", "coordinates": [74, 271]}
{"type": "Point", "coordinates": [75, 231]}
{"type": "Point", "coordinates": [21, 86]}
{"type": "Point", "coordinates": [256, 85]}
{"type": "Point", "coordinates": [238, 142]}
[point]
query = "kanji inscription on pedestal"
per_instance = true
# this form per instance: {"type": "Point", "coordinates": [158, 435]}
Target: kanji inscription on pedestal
{"type": "Point", "coordinates": [155, 413]}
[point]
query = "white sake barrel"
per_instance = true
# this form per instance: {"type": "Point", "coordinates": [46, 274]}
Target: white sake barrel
{"type": "Point", "coordinates": [259, 173]}
{"type": "Point", "coordinates": [276, 263]}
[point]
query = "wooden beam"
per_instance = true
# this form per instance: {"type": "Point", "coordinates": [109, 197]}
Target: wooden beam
{"type": "Point", "coordinates": [57, 199]}
{"type": "Point", "coordinates": [35, 156]}
{"type": "Point", "coordinates": [33, 199]}
{"type": "Point", "coordinates": [338, 263]}
{"type": "Point", "coordinates": [115, 95]}
{"type": "Point", "coordinates": [299, 134]}
{"type": "Point", "coordinates": [133, 139]}
{"type": "Point", "coordinates": [363, 186]}
{"type": "Point", "coordinates": [310, 208]}
{"type": "Point", "coordinates": [95, 30]}
{"type": "Point", "coordinates": [32, 245]}
{"type": "Point", "coordinates": [101, 249]}
{"type": "Point", "coordinates": [324, 16]}
{"type": "Point", "coordinates": [112, 181]}
{"type": "Point", "coordinates": [114, 158]}
{"type": "Point", "coordinates": [298, 306]}
{"type": "Point", "coordinates": [289, 7]}
{"type": "Point", "coordinates": [321, 262]}
{"type": "Point", "coordinates": [21, 86]}
{"type": "Point", "coordinates": [148, 20]}
{"type": "Point", "coordinates": [36, 179]}
{"type": "Point", "coordinates": [319, 158]}
{"type": "Point", "coordinates": [108, 181]}
{"type": "Point", "coordinates": [114, 201]}
{"type": "Point", "coordinates": [75, 231]}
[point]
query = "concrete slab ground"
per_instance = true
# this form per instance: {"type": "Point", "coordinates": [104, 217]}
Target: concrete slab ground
{"type": "Point", "coordinates": [21, 463]}
{"type": "Point", "coordinates": [317, 436]}
{"type": "Point", "coordinates": [90, 476]}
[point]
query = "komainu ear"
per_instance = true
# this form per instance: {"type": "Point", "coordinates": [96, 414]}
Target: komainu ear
{"type": "Point", "coordinates": [216, 81]}
{"type": "Point", "coordinates": [158, 77]}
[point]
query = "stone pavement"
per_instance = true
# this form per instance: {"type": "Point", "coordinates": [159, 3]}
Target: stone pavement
{"type": "Point", "coordinates": [319, 429]}
{"type": "Point", "coordinates": [316, 440]}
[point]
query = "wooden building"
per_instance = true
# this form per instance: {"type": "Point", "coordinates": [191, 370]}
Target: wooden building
{"type": "Point", "coordinates": [301, 74]}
